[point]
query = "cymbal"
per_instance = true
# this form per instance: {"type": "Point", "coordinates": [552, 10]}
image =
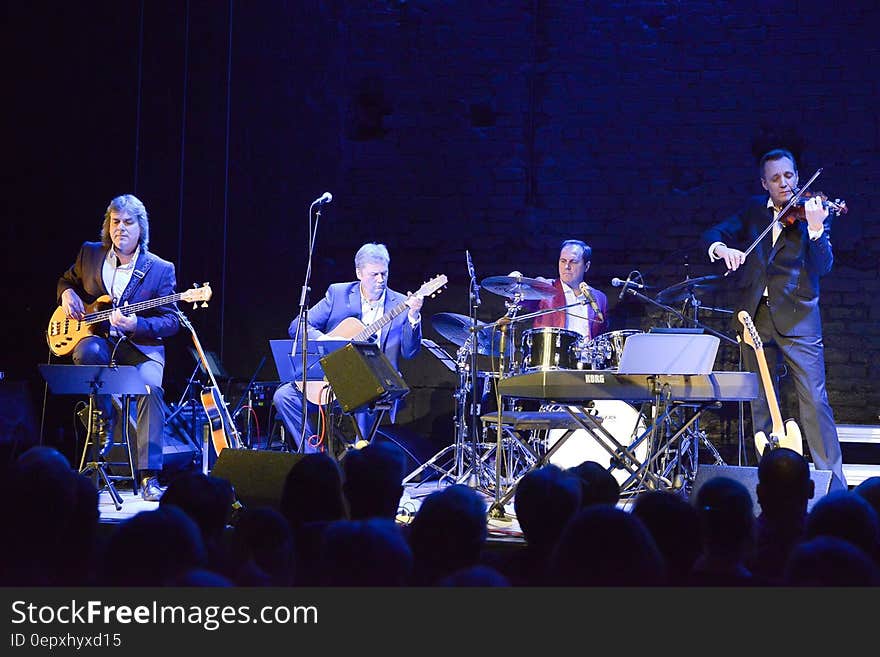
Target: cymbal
{"type": "Point", "coordinates": [457, 328]}
{"type": "Point", "coordinates": [695, 286]}
{"type": "Point", "coordinates": [526, 288]}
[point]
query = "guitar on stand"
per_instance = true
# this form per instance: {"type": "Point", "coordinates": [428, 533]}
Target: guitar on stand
{"type": "Point", "coordinates": [352, 329]}
{"type": "Point", "coordinates": [786, 434]}
{"type": "Point", "coordinates": [222, 428]}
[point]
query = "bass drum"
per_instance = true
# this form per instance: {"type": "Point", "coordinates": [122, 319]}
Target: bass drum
{"type": "Point", "coordinates": [621, 420]}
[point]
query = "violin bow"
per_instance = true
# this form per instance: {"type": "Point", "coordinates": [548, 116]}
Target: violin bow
{"type": "Point", "coordinates": [791, 202]}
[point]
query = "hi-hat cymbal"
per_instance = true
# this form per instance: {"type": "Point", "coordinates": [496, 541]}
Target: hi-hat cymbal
{"type": "Point", "coordinates": [695, 286]}
{"type": "Point", "coordinates": [457, 328]}
{"type": "Point", "coordinates": [511, 286]}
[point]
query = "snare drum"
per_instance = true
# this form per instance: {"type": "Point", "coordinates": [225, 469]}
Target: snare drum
{"type": "Point", "coordinates": [603, 352]}
{"type": "Point", "coordinates": [549, 348]}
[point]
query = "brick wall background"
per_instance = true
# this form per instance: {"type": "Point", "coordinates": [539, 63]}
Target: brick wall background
{"type": "Point", "coordinates": [439, 127]}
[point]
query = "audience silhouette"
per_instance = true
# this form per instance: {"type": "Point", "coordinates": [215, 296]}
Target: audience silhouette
{"type": "Point", "coordinates": [335, 532]}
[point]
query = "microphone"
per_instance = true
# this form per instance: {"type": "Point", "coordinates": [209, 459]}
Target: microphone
{"type": "Point", "coordinates": [616, 282]}
{"type": "Point", "coordinates": [474, 286]}
{"type": "Point", "coordinates": [326, 197]}
{"type": "Point", "coordinates": [592, 300]}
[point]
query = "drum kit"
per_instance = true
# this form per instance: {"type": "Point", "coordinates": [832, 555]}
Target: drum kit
{"type": "Point", "coordinates": [512, 352]}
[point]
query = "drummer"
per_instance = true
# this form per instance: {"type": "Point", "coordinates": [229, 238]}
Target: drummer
{"type": "Point", "coordinates": [588, 317]}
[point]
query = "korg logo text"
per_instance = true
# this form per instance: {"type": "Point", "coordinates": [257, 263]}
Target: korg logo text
{"type": "Point", "coordinates": [594, 378]}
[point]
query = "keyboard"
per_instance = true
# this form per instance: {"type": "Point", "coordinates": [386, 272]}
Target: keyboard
{"type": "Point", "coordinates": [580, 385]}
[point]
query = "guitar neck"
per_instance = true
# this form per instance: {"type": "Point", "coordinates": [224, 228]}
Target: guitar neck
{"type": "Point", "coordinates": [772, 403]}
{"type": "Point", "coordinates": [102, 315]}
{"type": "Point", "coordinates": [384, 320]}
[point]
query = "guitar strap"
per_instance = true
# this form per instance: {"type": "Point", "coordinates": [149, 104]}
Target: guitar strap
{"type": "Point", "coordinates": [137, 277]}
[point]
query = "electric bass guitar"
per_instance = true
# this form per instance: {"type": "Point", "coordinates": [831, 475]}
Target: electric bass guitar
{"type": "Point", "coordinates": [353, 329]}
{"type": "Point", "coordinates": [64, 332]}
{"type": "Point", "coordinates": [786, 434]}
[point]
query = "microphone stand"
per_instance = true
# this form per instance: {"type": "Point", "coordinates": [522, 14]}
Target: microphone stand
{"type": "Point", "coordinates": [302, 328]}
{"type": "Point", "coordinates": [693, 322]}
{"type": "Point", "coordinates": [474, 304]}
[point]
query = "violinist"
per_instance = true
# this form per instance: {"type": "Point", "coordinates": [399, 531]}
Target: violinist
{"type": "Point", "coordinates": [779, 287]}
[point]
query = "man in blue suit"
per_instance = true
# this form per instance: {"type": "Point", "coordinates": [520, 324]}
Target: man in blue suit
{"type": "Point", "coordinates": [779, 284]}
{"type": "Point", "coordinates": [367, 299]}
{"type": "Point", "coordinates": [121, 266]}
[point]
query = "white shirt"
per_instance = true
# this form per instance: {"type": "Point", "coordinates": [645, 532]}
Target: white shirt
{"type": "Point", "coordinates": [116, 277]}
{"type": "Point", "coordinates": [576, 318]}
{"type": "Point", "coordinates": [371, 311]}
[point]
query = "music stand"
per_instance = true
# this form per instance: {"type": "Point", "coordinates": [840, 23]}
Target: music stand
{"type": "Point", "coordinates": [93, 380]}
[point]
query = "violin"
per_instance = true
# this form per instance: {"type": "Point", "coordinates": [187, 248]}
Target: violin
{"type": "Point", "coordinates": [797, 212]}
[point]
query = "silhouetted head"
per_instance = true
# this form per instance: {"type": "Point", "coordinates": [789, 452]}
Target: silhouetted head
{"type": "Point", "coordinates": [869, 490]}
{"type": "Point", "coordinates": [479, 576]}
{"type": "Point", "coordinates": [369, 552]}
{"type": "Point", "coordinates": [726, 514]}
{"type": "Point", "coordinates": [313, 491]}
{"type": "Point", "coordinates": [263, 535]}
{"type": "Point", "coordinates": [675, 526]}
{"type": "Point", "coordinates": [605, 546]}
{"type": "Point", "coordinates": [598, 486]}
{"type": "Point", "coordinates": [373, 479]}
{"type": "Point", "coordinates": [545, 501]}
{"type": "Point", "coordinates": [845, 515]}
{"type": "Point", "coordinates": [830, 561]}
{"type": "Point", "coordinates": [448, 532]}
{"type": "Point", "coordinates": [207, 500]}
{"type": "Point", "coordinates": [784, 484]}
{"type": "Point", "coordinates": [153, 548]}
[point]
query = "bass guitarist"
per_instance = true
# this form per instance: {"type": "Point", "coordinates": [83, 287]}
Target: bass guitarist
{"type": "Point", "coordinates": [121, 267]}
{"type": "Point", "coordinates": [367, 299]}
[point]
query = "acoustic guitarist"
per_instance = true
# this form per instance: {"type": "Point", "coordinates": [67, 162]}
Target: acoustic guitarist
{"type": "Point", "coordinates": [121, 266]}
{"type": "Point", "coordinates": [366, 299]}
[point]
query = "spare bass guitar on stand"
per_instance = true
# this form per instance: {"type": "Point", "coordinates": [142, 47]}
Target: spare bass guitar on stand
{"type": "Point", "coordinates": [786, 434]}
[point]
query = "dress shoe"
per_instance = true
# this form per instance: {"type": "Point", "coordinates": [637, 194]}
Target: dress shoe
{"type": "Point", "coordinates": [151, 491]}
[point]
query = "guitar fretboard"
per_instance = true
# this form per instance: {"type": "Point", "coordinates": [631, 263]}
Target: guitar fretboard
{"type": "Point", "coordinates": [103, 315]}
{"type": "Point", "coordinates": [384, 320]}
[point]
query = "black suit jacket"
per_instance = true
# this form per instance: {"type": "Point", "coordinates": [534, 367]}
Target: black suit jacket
{"type": "Point", "coordinates": [789, 269]}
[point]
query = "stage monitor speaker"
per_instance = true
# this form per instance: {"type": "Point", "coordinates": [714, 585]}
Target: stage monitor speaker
{"type": "Point", "coordinates": [748, 477]}
{"type": "Point", "coordinates": [360, 375]}
{"type": "Point", "coordinates": [257, 476]}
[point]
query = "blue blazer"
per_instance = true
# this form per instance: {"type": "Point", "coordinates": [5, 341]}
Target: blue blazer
{"type": "Point", "coordinates": [342, 300]}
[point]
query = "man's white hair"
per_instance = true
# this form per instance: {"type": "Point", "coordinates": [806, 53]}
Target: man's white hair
{"type": "Point", "coordinates": [371, 252]}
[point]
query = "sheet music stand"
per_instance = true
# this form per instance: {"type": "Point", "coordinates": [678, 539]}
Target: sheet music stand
{"type": "Point", "coordinates": [93, 380]}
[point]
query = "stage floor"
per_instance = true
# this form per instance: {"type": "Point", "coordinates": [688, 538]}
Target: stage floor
{"type": "Point", "coordinates": [505, 529]}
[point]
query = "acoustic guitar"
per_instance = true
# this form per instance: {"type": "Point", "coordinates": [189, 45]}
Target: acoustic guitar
{"type": "Point", "coordinates": [353, 329]}
{"type": "Point", "coordinates": [786, 434]}
{"type": "Point", "coordinates": [64, 333]}
{"type": "Point", "coordinates": [224, 433]}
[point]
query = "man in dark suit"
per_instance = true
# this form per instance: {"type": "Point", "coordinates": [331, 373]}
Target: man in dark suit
{"type": "Point", "coordinates": [779, 283]}
{"type": "Point", "coordinates": [367, 299]}
{"type": "Point", "coordinates": [121, 266]}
